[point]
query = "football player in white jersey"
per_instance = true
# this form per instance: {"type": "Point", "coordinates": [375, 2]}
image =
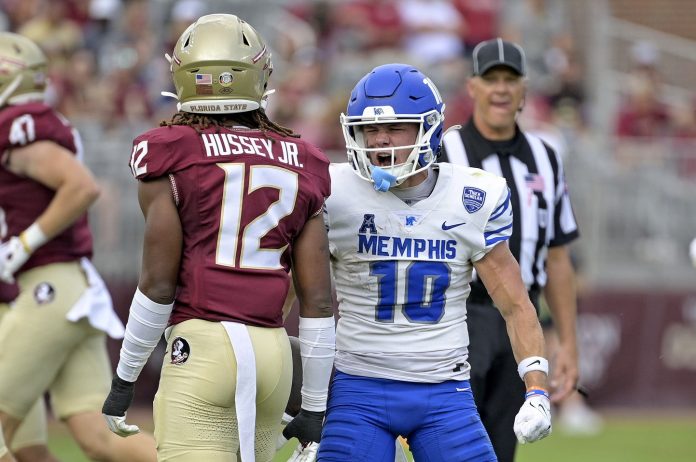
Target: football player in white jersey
{"type": "Point", "coordinates": [405, 235]}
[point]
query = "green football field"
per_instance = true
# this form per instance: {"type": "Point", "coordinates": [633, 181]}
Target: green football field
{"type": "Point", "coordinates": [624, 438]}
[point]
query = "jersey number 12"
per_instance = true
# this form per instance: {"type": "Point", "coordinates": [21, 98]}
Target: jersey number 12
{"type": "Point", "coordinates": [233, 233]}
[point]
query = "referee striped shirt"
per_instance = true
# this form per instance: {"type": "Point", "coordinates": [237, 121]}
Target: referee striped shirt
{"type": "Point", "coordinates": [542, 213]}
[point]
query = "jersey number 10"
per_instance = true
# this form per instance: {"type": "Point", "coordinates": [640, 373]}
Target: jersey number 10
{"type": "Point", "coordinates": [426, 284]}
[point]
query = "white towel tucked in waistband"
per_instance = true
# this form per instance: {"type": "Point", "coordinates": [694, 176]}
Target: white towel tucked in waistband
{"type": "Point", "coordinates": [95, 304]}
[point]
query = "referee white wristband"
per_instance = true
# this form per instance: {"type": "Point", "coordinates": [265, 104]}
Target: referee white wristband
{"type": "Point", "coordinates": [533, 363]}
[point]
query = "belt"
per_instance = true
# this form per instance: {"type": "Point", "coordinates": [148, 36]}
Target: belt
{"type": "Point", "coordinates": [479, 295]}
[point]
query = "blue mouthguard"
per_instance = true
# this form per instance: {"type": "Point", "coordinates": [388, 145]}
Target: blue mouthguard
{"type": "Point", "coordinates": [382, 179]}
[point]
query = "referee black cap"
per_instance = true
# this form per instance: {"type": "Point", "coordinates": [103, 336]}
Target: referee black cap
{"type": "Point", "coordinates": [498, 52]}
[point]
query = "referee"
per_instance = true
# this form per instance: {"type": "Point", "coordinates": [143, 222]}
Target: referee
{"type": "Point", "coordinates": [543, 225]}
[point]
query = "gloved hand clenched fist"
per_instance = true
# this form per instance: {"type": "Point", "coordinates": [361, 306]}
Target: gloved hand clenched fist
{"type": "Point", "coordinates": [533, 421]}
{"type": "Point", "coordinates": [306, 426]}
{"type": "Point", "coordinates": [116, 405]}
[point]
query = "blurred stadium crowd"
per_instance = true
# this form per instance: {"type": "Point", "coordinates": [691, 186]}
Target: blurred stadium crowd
{"type": "Point", "coordinates": [107, 64]}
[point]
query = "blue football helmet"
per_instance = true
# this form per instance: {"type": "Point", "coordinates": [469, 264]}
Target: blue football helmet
{"type": "Point", "coordinates": [389, 94]}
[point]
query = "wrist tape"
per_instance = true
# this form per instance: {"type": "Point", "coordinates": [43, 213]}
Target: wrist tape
{"type": "Point", "coordinates": [317, 348]}
{"type": "Point", "coordinates": [32, 238]}
{"type": "Point", "coordinates": [146, 323]}
{"type": "Point", "coordinates": [533, 363]}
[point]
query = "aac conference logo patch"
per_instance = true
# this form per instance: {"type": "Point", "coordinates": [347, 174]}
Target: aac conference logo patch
{"type": "Point", "coordinates": [473, 199]}
{"type": "Point", "coordinates": [180, 351]}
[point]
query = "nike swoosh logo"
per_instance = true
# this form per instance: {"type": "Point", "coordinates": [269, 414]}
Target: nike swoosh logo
{"type": "Point", "coordinates": [462, 389]}
{"type": "Point", "coordinates": [534, 362]}
{"type": "Point", "coordinates": [445, 226]}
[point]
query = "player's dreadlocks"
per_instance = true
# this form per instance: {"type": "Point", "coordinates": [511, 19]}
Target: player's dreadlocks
{"type": "Point", "coordinates": [253, 119]}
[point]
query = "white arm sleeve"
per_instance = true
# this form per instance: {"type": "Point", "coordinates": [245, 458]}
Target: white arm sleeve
{"type": "Point", "coordinates": [146, 323]}
{"type": "Point", "coordinates": [317, 348]}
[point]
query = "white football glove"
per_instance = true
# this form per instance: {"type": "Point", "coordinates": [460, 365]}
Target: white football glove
{"type": "Point", "coordinates": [533, 421]}
{"type": "Point", "coordinates": [305, 453]}
{"type": "Point", "coordinates": [119, 426]}
{"type": "Point", "coordinates": [12, 256]}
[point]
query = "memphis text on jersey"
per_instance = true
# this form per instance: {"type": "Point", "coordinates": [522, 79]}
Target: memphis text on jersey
{"type": "Point", "coordinates": [370, 242]}
{"type": "Point", "coordinates": [230, 144]}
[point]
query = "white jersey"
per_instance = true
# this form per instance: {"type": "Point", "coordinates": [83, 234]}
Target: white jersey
{"type": "Point", "coordinates": [402, 272]}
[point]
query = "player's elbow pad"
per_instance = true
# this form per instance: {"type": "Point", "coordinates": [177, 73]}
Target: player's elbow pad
{"type": "Point", "coordinates": [317, 348]}
{"type": "Point", "coordinates": [146, 323]}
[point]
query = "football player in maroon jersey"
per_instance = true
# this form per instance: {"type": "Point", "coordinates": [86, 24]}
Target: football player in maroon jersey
{"type": "Point", "coordinates": [232, 202]}
{"type": "Point", "coordinates": [29, 442]}
{"type": "Point", "coordinates": [54, 339]}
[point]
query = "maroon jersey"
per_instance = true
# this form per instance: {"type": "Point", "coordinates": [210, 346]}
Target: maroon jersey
{"type": "Point", "coordinates": [22, 200]}
{"type": "Point", "coordinates": [8, 292]}
{"type": "Point", "coordinates": [243, 197]}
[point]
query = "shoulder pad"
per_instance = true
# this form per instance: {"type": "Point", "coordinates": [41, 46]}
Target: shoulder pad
{"type": "Point", "coordinates": [163, 150]}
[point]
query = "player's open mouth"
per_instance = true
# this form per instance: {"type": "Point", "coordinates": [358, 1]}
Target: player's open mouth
{"type": "Point", "coordinates": [384, 158]}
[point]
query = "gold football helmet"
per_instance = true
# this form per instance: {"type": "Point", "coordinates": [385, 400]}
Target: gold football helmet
{"type": "Point", "coordinates": [220, 65]}
{"type": "Point", "coordinates": [22, 70]}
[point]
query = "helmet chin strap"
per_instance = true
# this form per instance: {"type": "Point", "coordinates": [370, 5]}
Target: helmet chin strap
{"type": "Point", "coordinates": [264, 98]}
{"type": "Point", "coordinates": [453, 127]}
{"type": "Point", "coordinates": [169, 94]}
